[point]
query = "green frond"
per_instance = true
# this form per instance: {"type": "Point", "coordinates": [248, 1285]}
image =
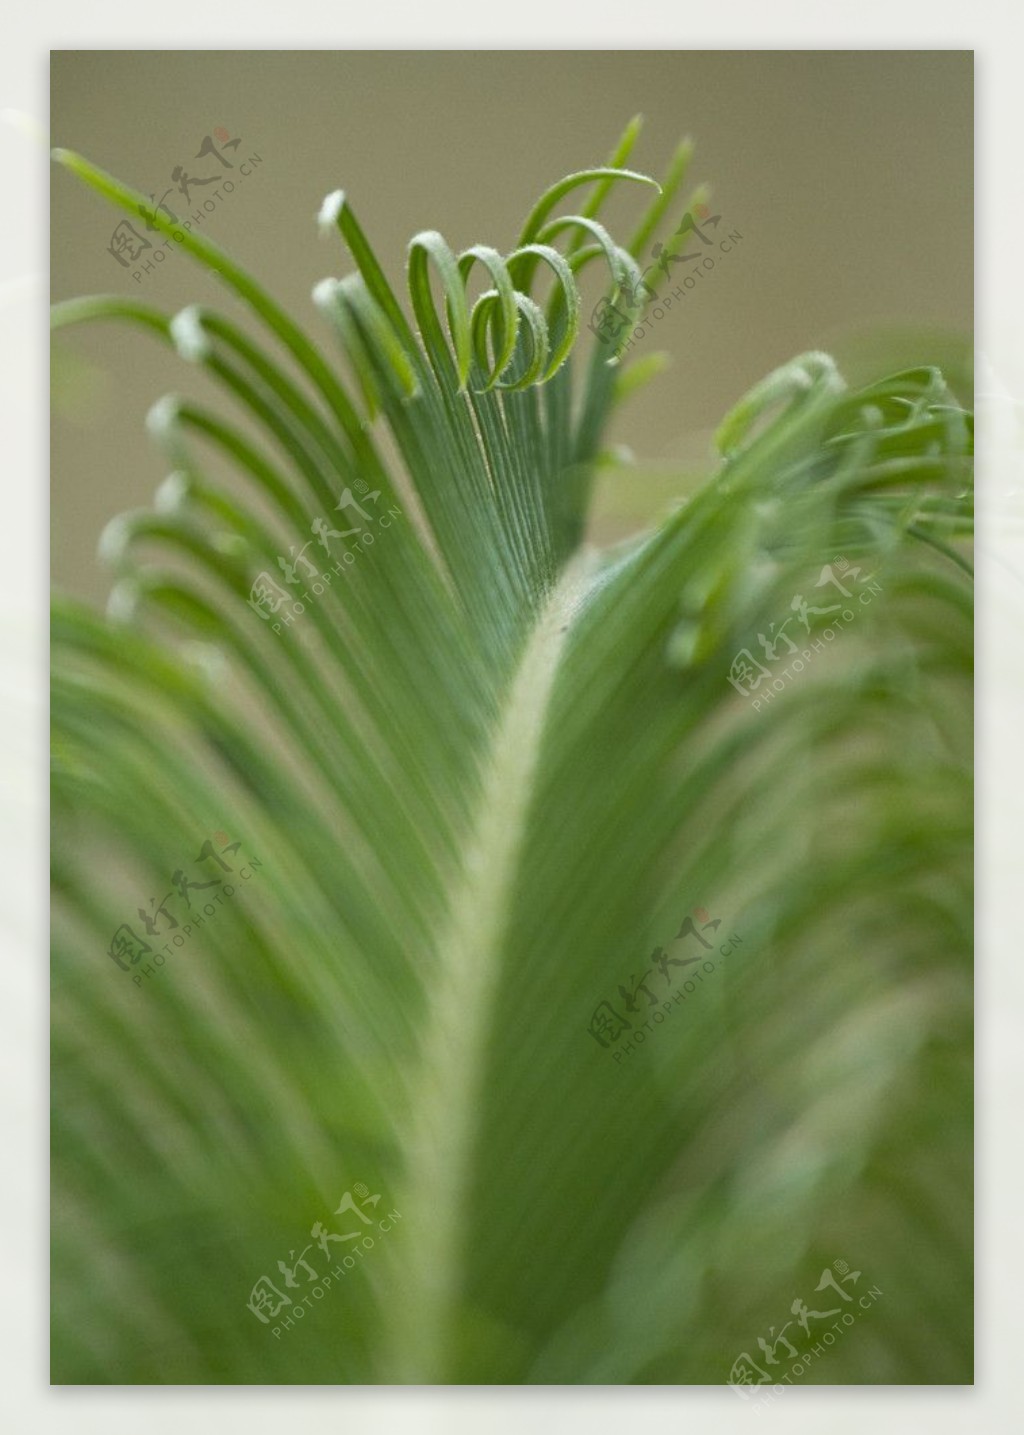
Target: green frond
{"type": "Point", "coordinates": [481, 774]}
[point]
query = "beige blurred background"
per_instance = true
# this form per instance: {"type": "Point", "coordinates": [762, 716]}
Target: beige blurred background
{"type": "Point", "coordinates": [848, 174]}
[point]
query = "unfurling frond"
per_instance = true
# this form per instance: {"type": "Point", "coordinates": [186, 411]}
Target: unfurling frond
{"type": "Point", "coordinates": [609, 911]}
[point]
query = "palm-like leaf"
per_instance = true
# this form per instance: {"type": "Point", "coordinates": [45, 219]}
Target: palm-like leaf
{"type": "Point", "coordinates": [486, 771]}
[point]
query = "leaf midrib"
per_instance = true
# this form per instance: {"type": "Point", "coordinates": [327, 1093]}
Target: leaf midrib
{"type": "Point", "coordinates": [446, 1086]}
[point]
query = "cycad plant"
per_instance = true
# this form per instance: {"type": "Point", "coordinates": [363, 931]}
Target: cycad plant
{"type": "Point", "coordinates": [483, 958]}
